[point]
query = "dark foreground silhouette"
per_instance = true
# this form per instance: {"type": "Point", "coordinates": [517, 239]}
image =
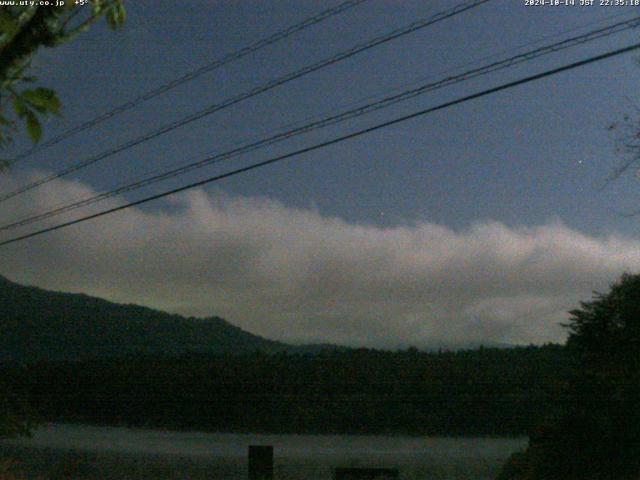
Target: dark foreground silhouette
{"type": "Point", "coordinates": [480, 392]}
{"type": "Point", "coordinates": [597, 433]}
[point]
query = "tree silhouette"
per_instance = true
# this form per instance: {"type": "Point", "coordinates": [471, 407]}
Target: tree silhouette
{"type": "Point", "coordinates": [598, 435]}
{"type": "Point", "coordinates": [24, 29]}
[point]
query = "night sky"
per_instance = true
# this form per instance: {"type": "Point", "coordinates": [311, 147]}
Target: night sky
{"type": "Point", "coordinates": [484, 222]}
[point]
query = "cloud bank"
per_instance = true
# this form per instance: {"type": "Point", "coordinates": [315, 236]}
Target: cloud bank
{"type": "Point", "coordinates": [299, 276]}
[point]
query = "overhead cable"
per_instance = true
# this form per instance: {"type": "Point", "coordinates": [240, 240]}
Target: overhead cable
{"type": "Point", "coordinates": [333, 141]}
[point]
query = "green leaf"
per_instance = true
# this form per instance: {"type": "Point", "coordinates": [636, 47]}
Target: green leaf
{"type": "Point", "coordinates": [8, 26]}
{"type": "Point", "coordinates": [112, 19]}
{"type": "Point", "coordinates": [34, 128]}
{"type": "Point", "coordinates": [19, 106]}
{"type": "Point", "coordinates": [43, 100]}
{"type": "Point", "coordinates": [122, 13]}
{"type": "Point", "coordinates": [97, 7]}
{"type": "Point", "coordinates": [116, 16]}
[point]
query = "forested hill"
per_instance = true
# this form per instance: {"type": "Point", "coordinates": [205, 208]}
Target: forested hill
{"type": "Point", "coordinates": [37, 324]}
{"type": "Point", "coordinates": [473, 392]}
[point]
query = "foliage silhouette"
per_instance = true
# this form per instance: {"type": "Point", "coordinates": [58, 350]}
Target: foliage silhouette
{"type": "Point", "coordinates": [24, 29]}
{"type": "Point", "coordinates": [359, 391]}
{"type": "Point", "coordinates": [598, 434]}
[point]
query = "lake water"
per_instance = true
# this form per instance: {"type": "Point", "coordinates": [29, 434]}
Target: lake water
{"type": "Point", "coordinates": [117, 453]}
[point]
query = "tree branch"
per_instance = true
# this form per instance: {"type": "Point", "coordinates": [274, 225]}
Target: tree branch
{"type": "Point", "coordinates": [24, 44]}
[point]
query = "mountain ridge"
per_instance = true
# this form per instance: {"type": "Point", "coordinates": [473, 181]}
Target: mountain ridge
{"type": "Point", "coordinates": [38, 324]}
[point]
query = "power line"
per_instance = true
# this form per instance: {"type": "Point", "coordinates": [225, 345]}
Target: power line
{"type": "Point", "coordinates": [332, 120]}
{"type": "Point", "coordinates": [215, 64]}
{"type": "Point", "coordinates": [333, 141]}
{"type": "Point", "coordinates": [415, 26]}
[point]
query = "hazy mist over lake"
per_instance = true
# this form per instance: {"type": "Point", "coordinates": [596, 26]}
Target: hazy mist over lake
{"type": "Point", "coordinates": [296, 456]}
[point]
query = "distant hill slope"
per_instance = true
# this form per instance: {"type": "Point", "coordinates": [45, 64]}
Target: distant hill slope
{"type": "Point", "coordinates": [37, 324]}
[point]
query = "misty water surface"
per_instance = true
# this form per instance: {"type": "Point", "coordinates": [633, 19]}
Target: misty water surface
{"type": "Point", "coordinates": [296, 456]}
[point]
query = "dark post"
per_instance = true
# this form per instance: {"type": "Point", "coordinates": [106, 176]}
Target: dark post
{"type": "Point", "coordinates": [260, 462]}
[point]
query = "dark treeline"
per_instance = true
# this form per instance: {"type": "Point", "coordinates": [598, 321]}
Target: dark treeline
{"type": "Point", "coordinates": [476, 392]}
